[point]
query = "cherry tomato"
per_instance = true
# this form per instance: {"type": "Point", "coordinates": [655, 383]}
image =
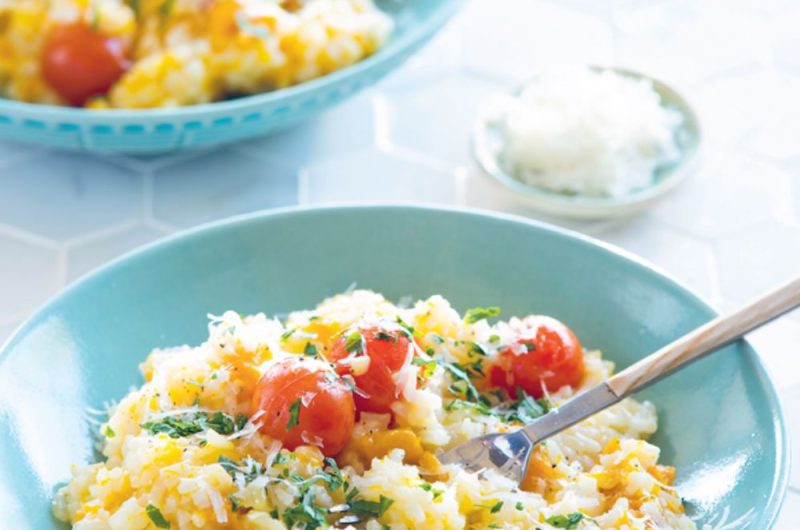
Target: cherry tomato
{"type": "Point", "coordinates": [547, 353]}
{"type": "Point", "coordinates": [80, 63]}
{"type": "Point", "coordinates": [388, 349]}
{"type": "Point", "coordinates": [305, 403]}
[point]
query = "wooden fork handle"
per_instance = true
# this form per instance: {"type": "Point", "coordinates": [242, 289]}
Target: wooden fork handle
{"type": "Point", "coordinates": [705, 339]}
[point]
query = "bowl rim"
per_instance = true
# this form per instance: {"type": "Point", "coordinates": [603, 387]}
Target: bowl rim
{"type": "Point", "coordinates": [780, 481]}
{"type": "Point", "coordinates": [587, 205]}
{"type": "Point", "coordinates": [394, 48]}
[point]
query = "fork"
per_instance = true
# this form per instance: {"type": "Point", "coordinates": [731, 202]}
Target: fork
{"type": "Point", "coordinates": [509, 453]}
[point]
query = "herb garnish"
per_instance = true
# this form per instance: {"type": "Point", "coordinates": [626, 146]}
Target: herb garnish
{"type": "Point", "coordinates": [310, 350]}
{"type": "Point", "coordinates": [570, 522]}
{"type": "Point", "coordinates": [354, 343]}
{"type": "Point", "coordinates": [477, 314]}
{"type": "Point", "coordinates": [156, 516]}
{"type": "Point", "coordinates": [371, 508]}
{"type": "Point", "coordinates": [294, 415]}
{"type": "Point", "coordinates": [193, 423]}
{"type": "Point", "coordinates": [523, 410]}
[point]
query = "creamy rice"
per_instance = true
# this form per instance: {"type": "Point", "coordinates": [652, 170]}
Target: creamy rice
{"type": "Point", "coordinates": [187, 52]}
{"type": "Point", "coordinates": [601, 473]}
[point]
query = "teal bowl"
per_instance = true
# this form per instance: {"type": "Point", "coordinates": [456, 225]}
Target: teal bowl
{"type": "Point", "coordinates": [198, 126]}
{"type": "Point", "coordinates": [720, 421]}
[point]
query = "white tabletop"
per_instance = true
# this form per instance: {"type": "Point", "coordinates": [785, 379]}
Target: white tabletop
{"type": "Point", "coordinates": [730, 231]}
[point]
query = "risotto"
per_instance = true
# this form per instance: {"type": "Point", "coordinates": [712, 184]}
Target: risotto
{"type": "Point", "coordinates": [163, 53]}
{"type": "Point", "coordinates": [333, 418]}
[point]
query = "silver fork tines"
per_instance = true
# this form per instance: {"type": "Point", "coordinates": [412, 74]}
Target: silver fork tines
{"type": "Point", "coordinates": [508, 454]}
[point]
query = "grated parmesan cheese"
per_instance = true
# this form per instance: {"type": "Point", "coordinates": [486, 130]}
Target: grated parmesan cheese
{"type": "Point", "coordinates": [582, 131]}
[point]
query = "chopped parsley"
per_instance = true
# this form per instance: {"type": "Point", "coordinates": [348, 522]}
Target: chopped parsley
{"type": "Point", "coordinates": [476, 348]}
{"type": "Point", "coordinates": [463, 384]}
{"type": "Point", "coordinates": [526, 409]}
{"type": "Point", "coordinates": [409, 328]}
{"type": "Point", "coordinates": [428, 367]}
{"type": "Point", "coordinates": [354, 343]}
{"type": "Point", "coordinates": [477, 314]}
{"type": "Point", "coordinates": [310, 350]}
{"type": "Point", "coordinates": [570, 522]}
{"type": "Point", "coordinates": [523, 410]}
{"type": "Point", "coordinates": [364, 508]}
{"type": "Point", "coordinates": [427, 486]}
{"type": "Point", "coordinates": [294, 415]}
{"type": "Point", "coordinates": [193, 423]}
{"type": "Point", "coordinates": [108, 431]}
{"type": "Point", "coordinates": [306, 513]}
{"type": "Point", "coordinates": [156, 516]}
{"type": "Point", "coordinates": [519, 506]}
{"type": "Point", "coordinates": [288, 333]}
{"type": "Point", "coordinates": [251, 469]}
{"type": "Point", "coordinates": [493, 508]}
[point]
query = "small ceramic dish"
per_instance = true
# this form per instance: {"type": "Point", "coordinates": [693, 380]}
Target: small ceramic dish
{"type": "Point", "coordinates": [488, 141]}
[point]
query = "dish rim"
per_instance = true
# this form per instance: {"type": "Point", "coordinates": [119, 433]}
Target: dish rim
{"type": "Point", "coordinates": [587, 206]}
{"type": "Point", "coordinates": [416, 34]}
{"type": "Point", "coordinates": [780, 481]}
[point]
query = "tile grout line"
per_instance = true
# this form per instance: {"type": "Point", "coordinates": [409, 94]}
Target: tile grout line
{"type": "Point", "coordinates": [381, 121]}
{"type": "Point", "coordinates": [303, 187]}
{"type": "Point", "coordinates": [61, 268]}
{"type": "Point", "coordinates": [100, 235]}
{"type": "Point", "coordinates": [28, 237]}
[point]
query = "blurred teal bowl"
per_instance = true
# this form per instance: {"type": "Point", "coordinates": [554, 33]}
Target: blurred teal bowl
{"type": "Point", "coordinates": [168, 130]}
{"type": "Point", "coordinates": [720, 422]}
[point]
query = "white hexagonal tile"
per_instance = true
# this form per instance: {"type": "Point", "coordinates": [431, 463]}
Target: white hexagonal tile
{"type": "Point", "coordinates": [442, 55]}
{"type": "Point", "coordinates": [482, 192]}
{"type": "Point", "coordinates": [10, 152]}
{"type": "Point", "coordinates": [449, 105]}
{"type": "Point", "coordinates": [777, 136]}
{"type": "Point", "coordinates": [89, 256]}
{"type": "Point", "coordinates": [515, 38]}
{"type": "Point", "coordinates": [346, 128]}
{"type": "Point", "coordinates": [684, 42]}
{"type": "Point", "coordinates": [785, 38]}
{"type": "Point", "coordinates": [378, 177]}
{"type": "Point", "coordinates": [790, 514]}
{"type": "Point", "coordinates": [689, 259]}
{"type": "Point", "coordinates": [778, 344]}
{"type": "Point", "coordinates": [63, 196]}
{"type": "Point", "coordinates": [757, 258]}
{"type": "Point", "coordinates": [732, 191]}
{"type": "Point", "coordinates": [731, 108]}
{"type": "Point", "coordinates": [795, 169]}
{"type": "Point", "coordinates": [28, 276]}
{"type": "Point", "coordinates": [790, 399]}
{"type": "Point", "coordinates": [220, 184]}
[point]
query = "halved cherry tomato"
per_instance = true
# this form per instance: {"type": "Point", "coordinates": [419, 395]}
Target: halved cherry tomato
{"type": "Point", "coordinates": [547, 353]}
{"type": "Point", "coordinates": [388, 349]}
{"type": "Point", "coordinates": [305, 403]}
{"type": "Point", "coordinates": [80, 63]}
